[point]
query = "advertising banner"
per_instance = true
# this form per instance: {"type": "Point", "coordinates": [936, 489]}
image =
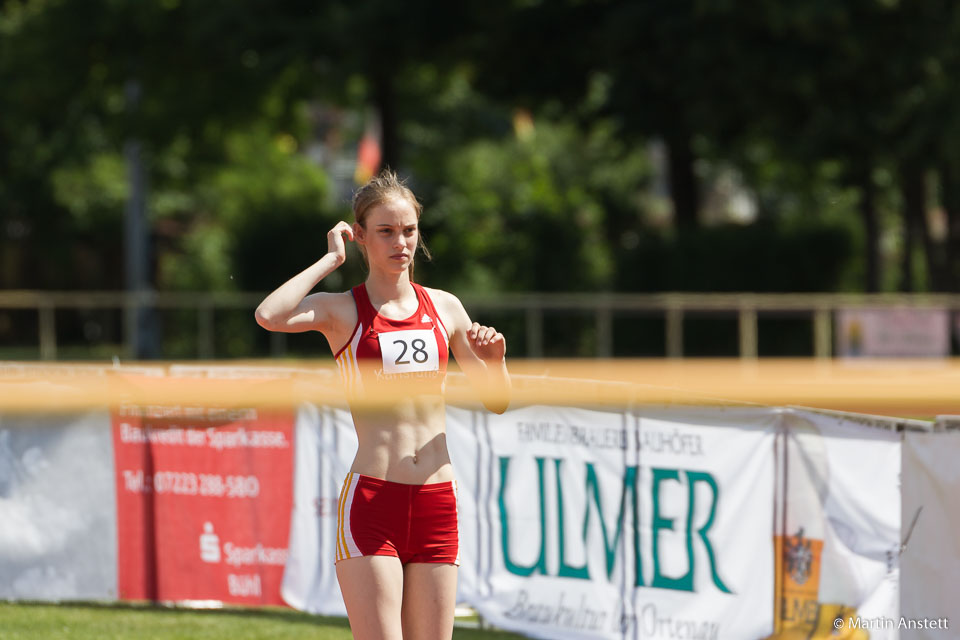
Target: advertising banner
{"type": "Point", "coordinates": [893, 333]}
{"type": "Point", "coordinates": [838, 526]}
{"type": "Point", "coordinates": [619, 525]}
{"type": "Point", "coordinates": [578, 523]}
{"type": "Point", "coordinates": [203, 501]}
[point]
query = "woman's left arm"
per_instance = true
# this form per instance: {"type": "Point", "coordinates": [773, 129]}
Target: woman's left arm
{"type": "Point", "coordinates": [480, 351]}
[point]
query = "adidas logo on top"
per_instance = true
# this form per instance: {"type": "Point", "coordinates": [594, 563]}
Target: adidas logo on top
{"type": "Point", "coordinates": [426, 318]}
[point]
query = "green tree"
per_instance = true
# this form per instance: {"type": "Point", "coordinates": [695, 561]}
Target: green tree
{"type": "Point", "coordinates": [541, 211]}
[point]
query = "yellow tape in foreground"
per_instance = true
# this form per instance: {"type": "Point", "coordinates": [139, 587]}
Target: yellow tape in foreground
{"type": "Point", "coordinates": [901, 387]}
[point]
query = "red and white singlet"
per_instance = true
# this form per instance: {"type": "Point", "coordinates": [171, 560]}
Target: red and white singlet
{"type": "Point", "coordinates": [415, 523]}
{"type": "Point", "coordinates": [381, 349]}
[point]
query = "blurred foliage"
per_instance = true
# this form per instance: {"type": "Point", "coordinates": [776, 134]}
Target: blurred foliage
{"type": "Point", "coordinates": [260, 210]}
{"type": "Point", "coordinates": [557, 146]}
{"type": "Point", "coordinates": [768, 257]}
{"type": "Point", "coordinates": [544, 211]}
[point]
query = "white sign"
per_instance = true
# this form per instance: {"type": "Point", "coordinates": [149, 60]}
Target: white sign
{"type": "Point", "coordinates": [893, 333]}
{"type": "Point", "coordinates": [930, 562]}
{"type": "Point", "coordinates": [409, 351]}
{"type": "Point", "coordinates": [577, 523]}
{"type": "Point", "coordinates": [613, 525]}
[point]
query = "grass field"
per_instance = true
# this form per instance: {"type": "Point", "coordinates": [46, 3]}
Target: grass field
{"type": "Point", "coordinates": [19, 621]}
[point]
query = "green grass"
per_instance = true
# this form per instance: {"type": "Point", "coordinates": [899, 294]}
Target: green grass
{"type": "Point", "coordinates": [82, 621]}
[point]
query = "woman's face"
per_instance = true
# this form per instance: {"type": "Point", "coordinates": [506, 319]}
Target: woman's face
{"type": "Point", "coordinates": [389, 235]}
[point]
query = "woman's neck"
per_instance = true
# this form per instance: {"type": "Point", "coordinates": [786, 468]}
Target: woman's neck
{"type": "Point", "coordinates": [383, 287]}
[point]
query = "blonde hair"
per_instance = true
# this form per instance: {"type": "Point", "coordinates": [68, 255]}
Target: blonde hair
{"type": "Point", "coordinates": [384, 187]}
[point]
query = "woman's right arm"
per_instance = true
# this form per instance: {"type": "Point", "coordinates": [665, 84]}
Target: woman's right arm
{"type": "Point", "coordinates": [290, 309]}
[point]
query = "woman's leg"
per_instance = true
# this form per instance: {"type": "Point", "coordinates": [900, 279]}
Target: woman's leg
{"type": "Point", "coordinates": [429, 599]}
{"type": "Point", "coordinates": [372, 588]}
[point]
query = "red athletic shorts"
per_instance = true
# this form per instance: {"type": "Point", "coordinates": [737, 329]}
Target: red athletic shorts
{"type": "Point", "coordinates": [412, 522]}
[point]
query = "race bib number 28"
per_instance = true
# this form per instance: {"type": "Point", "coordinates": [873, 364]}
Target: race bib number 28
{"type": "Point", "coordinates": [409, 351]}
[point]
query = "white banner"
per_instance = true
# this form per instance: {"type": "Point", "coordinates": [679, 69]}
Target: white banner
{"type": "Point", "coordinates": [612, 525]}
{"type": "Point", "coordinates": [326, 443]}
{"type": "Point", "coordinates": [58, 518]}
{"type": "Point", "coordinates": [577, 523]}
{"type": "Point", "coordinates": [840, 527]}
{"type": "Point", "coordinates": [931, 518]}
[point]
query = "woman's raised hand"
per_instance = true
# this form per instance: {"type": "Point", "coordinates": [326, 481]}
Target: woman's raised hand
{"type": "Point", "coordinates": [335, 243]}
{"type": "Point", "coordinates": [487, 343]}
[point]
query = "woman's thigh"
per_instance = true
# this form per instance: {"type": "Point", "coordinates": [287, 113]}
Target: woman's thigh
{"type": "Point", "coordinates": [372, 588]}
{"type": "Point", "coordinates": [429, 600]}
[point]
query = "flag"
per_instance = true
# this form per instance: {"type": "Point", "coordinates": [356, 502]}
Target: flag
{"type": "Point", "coordinates": [369, 152]}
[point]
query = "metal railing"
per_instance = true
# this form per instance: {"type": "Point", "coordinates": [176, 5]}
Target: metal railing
{"type": "Point", "coordinates": [674, 307]}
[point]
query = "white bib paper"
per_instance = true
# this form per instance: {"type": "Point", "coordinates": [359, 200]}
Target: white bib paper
{"type": "Point", "coordinates": [409, 351]}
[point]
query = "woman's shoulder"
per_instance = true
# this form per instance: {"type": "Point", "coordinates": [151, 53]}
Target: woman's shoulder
{"type": "Point", "coordinates": [340, 313]}
{"type": "Point", "coordinates": [441, 297]}
{"type": "Point", "coordinates": [449, 307]}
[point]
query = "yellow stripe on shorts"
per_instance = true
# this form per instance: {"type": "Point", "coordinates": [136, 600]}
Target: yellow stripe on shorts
{"type": "Point", "coordinates": [341, 530]}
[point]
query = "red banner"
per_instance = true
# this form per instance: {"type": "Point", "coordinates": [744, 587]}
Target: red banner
{"type": "Point", "coordinates": [203, 502]}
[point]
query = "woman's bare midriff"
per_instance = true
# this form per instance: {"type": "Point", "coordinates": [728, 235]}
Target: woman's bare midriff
{"type": "Point", "coordinates": [406, 443]}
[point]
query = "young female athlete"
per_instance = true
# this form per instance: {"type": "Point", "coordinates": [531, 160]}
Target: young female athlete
{"type": "Point", "coordinates": [397, 541]}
